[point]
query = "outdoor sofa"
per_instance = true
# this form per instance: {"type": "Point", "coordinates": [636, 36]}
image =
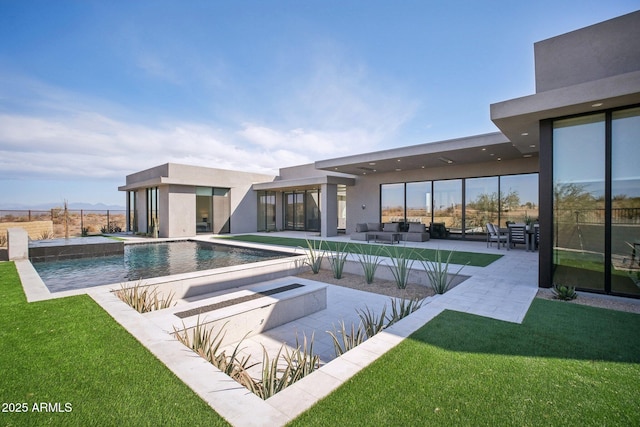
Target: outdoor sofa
{"type": "Point", "coordinates": [416, 232]}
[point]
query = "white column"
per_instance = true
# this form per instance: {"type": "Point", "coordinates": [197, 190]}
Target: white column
{"type": "Point", "coordinates": [17, 243]}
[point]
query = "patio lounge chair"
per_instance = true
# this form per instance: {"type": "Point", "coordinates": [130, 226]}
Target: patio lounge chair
{"type": "Point", "coordinates": [495, 235]}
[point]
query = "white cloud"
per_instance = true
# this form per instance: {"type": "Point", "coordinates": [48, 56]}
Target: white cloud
{"type": "Point", "coordinates": [331, 111]}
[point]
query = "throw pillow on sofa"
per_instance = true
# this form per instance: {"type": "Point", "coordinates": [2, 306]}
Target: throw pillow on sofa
{"type": "Point", "coordinates": [373, 226]}
{"type": "Point", "coordinates": [361, 228]}
{"type": "Point", "coordinates": [391, 227]}
{"type": "Point", "coordinates": [415, 227]}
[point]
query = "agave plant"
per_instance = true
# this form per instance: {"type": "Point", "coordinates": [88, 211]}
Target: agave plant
{"type": "Point", "coordinates": [369, 262]}
{"type": "Point", "coordinates": [314, 255]}
{"type": "Point", "coordinates": [564, 293]}
{"type": "Point", "coordinates": [372, 322]}
{"type": "Point", "coordinates": [438, 272]}
{"type": "Point", "coordinates": [302, 360]}
{"type": "Point", "coordinates": [344, 341]}
{"type": "Point", "coordinates": [338, 259]}
{"type": "Point", "coordinates": [274, 378]}
{"type": "Point", "coordinates": [202, 341]}
{"type": "Point", "coordinates": [401, 263]}
{"type": "Point", "coordinates": [144, 298]}
{"type": "Point", "coordinates": [401, 308]}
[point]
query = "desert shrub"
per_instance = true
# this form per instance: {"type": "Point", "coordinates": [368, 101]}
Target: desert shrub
{"type": "Point", "coordinates": [47, 235]}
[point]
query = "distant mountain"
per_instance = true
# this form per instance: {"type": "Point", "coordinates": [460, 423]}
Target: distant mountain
{"type": "Point", "coordinates": [72, 205]}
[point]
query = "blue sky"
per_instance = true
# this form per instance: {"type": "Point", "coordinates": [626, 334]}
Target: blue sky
{"type": "Point", "coordinates": [91, 91]}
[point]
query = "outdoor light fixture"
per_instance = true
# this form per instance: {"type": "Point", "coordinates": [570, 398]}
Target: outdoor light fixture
{"type": "Point", "coordinates": [597, 104]}
{"type": "Point", "coordinates": [364, 207]}
{"type": "Point", "coordinates": [445, 160]}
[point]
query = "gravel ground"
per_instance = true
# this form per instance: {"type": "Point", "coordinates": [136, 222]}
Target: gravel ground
{"type": "Point", "coordinates": [630, 305]}
{"type": "Point", "coordinates": [384, 287]}
{"type": "Point", "coordinates": [387, 287]}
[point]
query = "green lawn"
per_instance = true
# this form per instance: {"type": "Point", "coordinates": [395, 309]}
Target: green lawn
{"type": "Point", "coordinates": [458, 257]}
{"type": "Point", "coordinates": [71, 351]}
{"type": "Point", "coordinates": [565, 365]}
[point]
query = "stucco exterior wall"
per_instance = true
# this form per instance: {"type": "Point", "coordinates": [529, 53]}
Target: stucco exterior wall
{"type": "Point", "coordinates": [592, 53]}
{"type": "Point", "coordinates": [181, 220]}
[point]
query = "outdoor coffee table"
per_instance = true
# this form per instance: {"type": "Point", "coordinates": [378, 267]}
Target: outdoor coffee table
{"type": "Point", "coordinates": [384, 236]}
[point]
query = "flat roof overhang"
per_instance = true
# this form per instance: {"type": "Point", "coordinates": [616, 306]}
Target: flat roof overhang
{"type": "Point", "coordinates": [519, 118]}
{"type": "Point", "coordinates": [163, 180]}
{"type": "Point", "coordinates": [474, 149]}
{"type": "Point", "coordinates": [310, 183]}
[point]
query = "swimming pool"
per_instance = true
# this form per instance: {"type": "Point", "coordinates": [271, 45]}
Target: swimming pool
{"type": "Point", "coordinates": [145, 261]}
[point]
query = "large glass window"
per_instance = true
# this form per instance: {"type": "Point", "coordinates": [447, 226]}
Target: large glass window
{"type": "Point", "coordinates": [312, 210]}
{"type": "Point", "coordinates": [213, 210]}
{"type": "Point", "coordinates": [392, 202]}
{"type": "Point", "coordinates": [342, 207]}
{"type": "Point", "coordinates": [518, 198]}
{"type": "Point", "coordinates": [204, 209]}
{"type": "Point", "coordinates": [578, 211]}
{"type": "Point", "coordinates": [625, 201]}
{"type": "Point", "coordinates": [481, 204]}
{"type": "Point", "coordinates": [152, 209]}
{"type": "Point", "coordinates": [419, 202]}
{"type": "Point", "coordinates": [133, 216]}
{"type": "Point", "coordinates": [447, 205]}
{"type": "Point", "coordinates": [495, 199]}
{"type": "Point", "coordinates": [266, 211]}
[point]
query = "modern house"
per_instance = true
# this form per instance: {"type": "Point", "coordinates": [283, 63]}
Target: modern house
{"type": "Point", "coordinates": [567, 156]}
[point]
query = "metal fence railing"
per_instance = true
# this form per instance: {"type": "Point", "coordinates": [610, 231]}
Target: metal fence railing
{"type": "Point", "coordinates": [619, 216]}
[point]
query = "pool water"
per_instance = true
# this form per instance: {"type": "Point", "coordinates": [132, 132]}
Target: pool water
{"type": "Point", "coordinates": [145, 261]}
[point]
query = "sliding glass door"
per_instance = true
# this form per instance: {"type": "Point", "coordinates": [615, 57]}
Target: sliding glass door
{"type": "Point", "coordinates": [302, 210]}
{"type": "Point", "coordinates": [213, 210]}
